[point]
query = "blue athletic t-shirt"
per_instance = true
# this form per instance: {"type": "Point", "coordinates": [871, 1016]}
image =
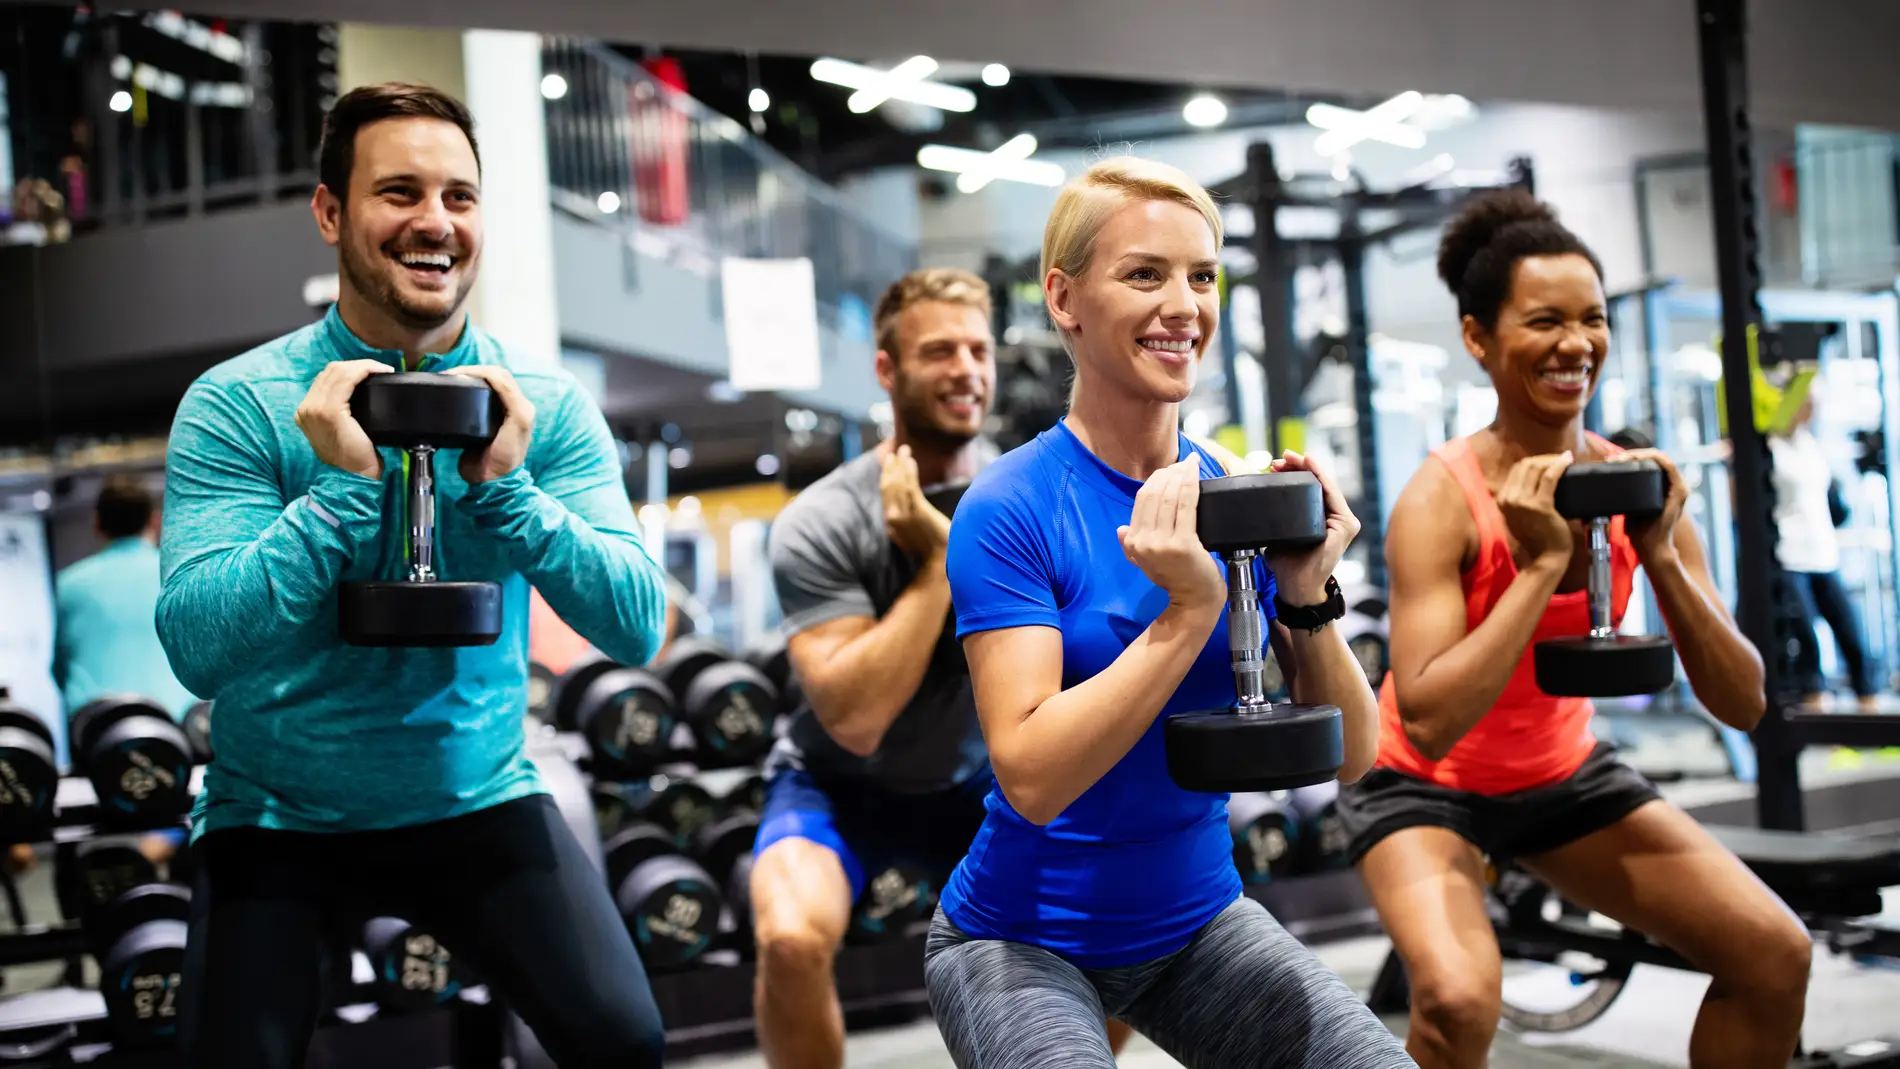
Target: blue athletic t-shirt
{"type": "Point", "coordinates": [1136, 865]}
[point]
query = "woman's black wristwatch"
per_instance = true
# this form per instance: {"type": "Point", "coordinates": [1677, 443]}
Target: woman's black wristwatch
{"type": "Point", "coordinates": [1312, 618]}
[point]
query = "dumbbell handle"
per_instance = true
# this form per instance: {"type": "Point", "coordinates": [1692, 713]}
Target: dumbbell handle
{"type": "Point", "coordinates": [1243, 633]}
{"type": "Point", "coordinates": [1601, 626]}
{"type": "Point", "coordinates": [422, 514]}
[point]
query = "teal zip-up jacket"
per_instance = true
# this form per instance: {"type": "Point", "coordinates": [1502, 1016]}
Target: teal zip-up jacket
{"type": "Point", "coordinates": [105, 641]}
{"type": "Point", "coordinates": [315, 735]}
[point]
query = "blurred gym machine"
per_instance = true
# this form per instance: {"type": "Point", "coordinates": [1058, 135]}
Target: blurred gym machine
{"type": "Point", "coordinates": [1263, 256]}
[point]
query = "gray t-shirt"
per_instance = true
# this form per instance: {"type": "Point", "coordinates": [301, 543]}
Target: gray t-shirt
{"type": "Point", "coordinates": [832, 557]}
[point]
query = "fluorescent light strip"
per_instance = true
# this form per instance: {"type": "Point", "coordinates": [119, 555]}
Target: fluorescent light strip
{"type": "Point", "coordinates": [903, 82]}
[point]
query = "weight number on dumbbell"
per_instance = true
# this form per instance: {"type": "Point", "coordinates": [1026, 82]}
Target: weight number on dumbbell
{"type": "Point", "coordinates": [425, 965]}
{"type": "Point", "coordinates": [155, 995]}
{"type": "Point", "coordinates": [637, 726]}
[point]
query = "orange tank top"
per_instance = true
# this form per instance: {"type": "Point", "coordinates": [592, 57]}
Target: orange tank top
{"type": "Point", "coordinates": [1529, 738]}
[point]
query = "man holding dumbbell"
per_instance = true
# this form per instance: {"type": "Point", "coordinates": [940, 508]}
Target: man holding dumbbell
{"type": "Point", "coordinates": [352, 781]}
{"type": "Point", "coordinates": [1503, 622]}
{"type": "Point", "coordinates": [884, 762]}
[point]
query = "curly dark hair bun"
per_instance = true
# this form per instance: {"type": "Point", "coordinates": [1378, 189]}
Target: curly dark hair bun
{"type": "Point", "coordinates": [1490, 234]}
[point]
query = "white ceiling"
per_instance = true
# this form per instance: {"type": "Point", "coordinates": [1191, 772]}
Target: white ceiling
{"type": "Point", "coordinates": [1828, 61]}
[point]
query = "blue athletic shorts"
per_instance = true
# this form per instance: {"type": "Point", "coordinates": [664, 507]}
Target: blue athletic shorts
{"type": "Point", "coordinates": [871, 830]}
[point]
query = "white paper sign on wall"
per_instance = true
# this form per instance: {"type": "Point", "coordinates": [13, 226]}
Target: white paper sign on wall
{"type": "Point", "coordinates": [771, 324]}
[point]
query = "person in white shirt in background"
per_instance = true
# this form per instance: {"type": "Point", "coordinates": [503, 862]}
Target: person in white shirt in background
{"type": "Point", "coordinates": [1810, 552]}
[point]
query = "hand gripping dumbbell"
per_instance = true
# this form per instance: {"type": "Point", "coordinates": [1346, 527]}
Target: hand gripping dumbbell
{"type": "Point", "coordinates": [1604, 664]}
{"type": "Point", "coordinates": [421, 412]}
{"type": "Point", "coordinates": [1255, 745]}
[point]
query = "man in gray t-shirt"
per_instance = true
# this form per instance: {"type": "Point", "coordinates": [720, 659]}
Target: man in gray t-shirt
{"type": "Point", "coordinates": [884, 760]}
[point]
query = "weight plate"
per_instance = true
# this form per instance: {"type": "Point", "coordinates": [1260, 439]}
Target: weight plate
{"type": "Point", "coordinates": [720, 845]}
{"type": "Point", "coordinates": [686, 658]}
{"type": "Point", "coordinates": [139, 978]}
{"type": "Point", "coordinates": [731, 708]}
{"type": "Point", "coordinates": [197, 726]}
{"type": "Point", "coordinates": [1612, 667]}
{"type": "Point", "coordinates": [634, 845]}
{"type": "Point", "coordinates": [671, 907]}
{"type": "Point", "coordinates": [96, 716]}
{"type": "Point", "coordinates": [412, 969]}
{"type": "Point", "coordinates": [106, 871]}
{"type": "Point", "coordinates": [748, 795]}
{"type": "Point", "coordinates": [29, 780]}
{"type": "Point", "coordinates": [1633, 488]}
{"type": "Point", "coordinates": [680, 806]}
{"type": "Point", "coordinates": [573, 688]}
{"type": "Point", "coordinates": [418, 614]}
{"type": "Point", "coordinates": [1266, 837]}
{"type": "Point", "coordinates": [627, 718]}
{"type": "Point", "coordinates": [409, 408]}
{"type": "Point", "coordinates": [1221, 752]}
{"type": "Point", "coordinates": [140, 768]}
{"type": "Point", "coordinates": [1277, 509]}
{"type": "Point", "coordinates": [892, 900]}
{"type": "Point", "coordinates": [541, 686]}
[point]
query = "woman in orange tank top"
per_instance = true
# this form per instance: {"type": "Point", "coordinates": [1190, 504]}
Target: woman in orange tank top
{"type": "Point", "coordinates": [1474, 759]}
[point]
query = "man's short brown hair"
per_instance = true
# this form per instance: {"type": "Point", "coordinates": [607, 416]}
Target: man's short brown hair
{"type": "Point", "coordinates": [336, 152]}
{"type": "Point", "coordinates": [947, 284]}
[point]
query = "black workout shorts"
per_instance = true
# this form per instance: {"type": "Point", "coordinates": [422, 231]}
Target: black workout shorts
{"type": "Point", "coordinates": [1602, 791]}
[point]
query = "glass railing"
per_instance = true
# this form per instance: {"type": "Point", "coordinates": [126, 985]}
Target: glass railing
{"type": "Point", "coordinates": [692, 186]}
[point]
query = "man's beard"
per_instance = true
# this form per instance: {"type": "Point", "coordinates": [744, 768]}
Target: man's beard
{"type": "Point", "coordinates": [380, 289]}
{"type": "Point", "coordinates": [911, 411]}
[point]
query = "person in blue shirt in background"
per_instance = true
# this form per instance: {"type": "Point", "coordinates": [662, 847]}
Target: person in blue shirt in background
{"type": "Point", "coordinates": [105, 641]}
{"type": "Point", "coordinates": [355, 781]}
{"type": "Point", "coordinates": [1089, 612]}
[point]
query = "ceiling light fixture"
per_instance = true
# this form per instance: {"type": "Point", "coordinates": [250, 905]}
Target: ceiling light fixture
{"type": "Point", "coordinates": [906, 81]}
{"type": "Point", "coordinates": [1010, 163]}
{"type": "Point", "coordinates": [1383, 122]}
{"type": "Point", "coordinates": [553, 87]}
{"type": "Point", "coordinates": [1204, 111]}
{"type": "Point", "coordinates": [758, 99]}
{"type": "Point", "coordinates": [995, 74]}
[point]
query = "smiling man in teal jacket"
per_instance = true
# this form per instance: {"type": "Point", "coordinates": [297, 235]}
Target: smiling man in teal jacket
{"type": "Point", "coordinates": [354, 780]}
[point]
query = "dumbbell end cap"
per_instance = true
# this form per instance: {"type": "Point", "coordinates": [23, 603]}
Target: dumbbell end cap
{"type": "Point", "coordinates": [1222, 752]}
{"type": "Point", "coordinates": [419, 614]}
{"type": "Point", "coordinates": [1614, 667]}
{"type": "Point", "coordinates": [1260, 511]}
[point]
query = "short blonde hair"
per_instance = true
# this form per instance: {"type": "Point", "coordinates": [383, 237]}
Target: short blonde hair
{"type": "Point", "coordinates": [948, 284]}
{"type": "Point", "coordinates": [1084, 205]}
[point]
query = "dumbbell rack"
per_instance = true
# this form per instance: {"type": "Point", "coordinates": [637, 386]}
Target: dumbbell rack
{"type": "Point", "coordinates": [467, 1032]}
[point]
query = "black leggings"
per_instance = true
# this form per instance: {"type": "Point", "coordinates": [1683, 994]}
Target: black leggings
{"type": "Point", "coordinates": [1822, 595]}
{"type": "Point", "coordinates": [508, 888]}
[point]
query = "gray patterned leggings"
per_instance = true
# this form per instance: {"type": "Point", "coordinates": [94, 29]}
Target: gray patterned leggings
{"type": "Point", "coordinates": [1242, 994]}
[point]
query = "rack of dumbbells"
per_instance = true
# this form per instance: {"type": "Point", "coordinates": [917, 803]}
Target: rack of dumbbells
{"type": "Point", "coordinates": [398, 1002]}
{"type": "Point", "coordinates": [674, 756]}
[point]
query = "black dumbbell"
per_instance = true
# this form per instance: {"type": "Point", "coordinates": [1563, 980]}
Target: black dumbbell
{"type": "Point", "coordinates": [1266, 836]}
{"type": "Point", "coordinates": [1322, 836]}
{"type": "Point", "coordinates": [719, 845]}
{"type": "Point", "coordinates": [421, 412]}
{"type": "Point", "coordinates": [1256, 745]}
{"type": "Point", "coordinates": [29, 774]}
{"type": "Point", "coordinates": [139, 941]}
{"type": "Point", "coordinates": [410, 969]}
{"type": "Point", "coordinates": [1604, 664]}
{"type": "Point", "coordinates": [746, 794]}
{"type": "Point", "coordinates": [197, 726]}
{"type": "Point", "coordinates": [671, 904]}
{"type": "Point", "coordinates": [730, 706]}
{"type": "Point", "coordinates": [102, 871]}
{"type": "Point", "coordinates": [894, 898]}
{"type": "Point", "coordinates": [674, 803]}
{"type": "Point", "coordinates": [136, 756]}
{"type": "Point", "coordinates": [542, 683]}
{"type": "Point", "coordinates": [770, 658]}
{"type": "Point", "coordinates": [625, 714]}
